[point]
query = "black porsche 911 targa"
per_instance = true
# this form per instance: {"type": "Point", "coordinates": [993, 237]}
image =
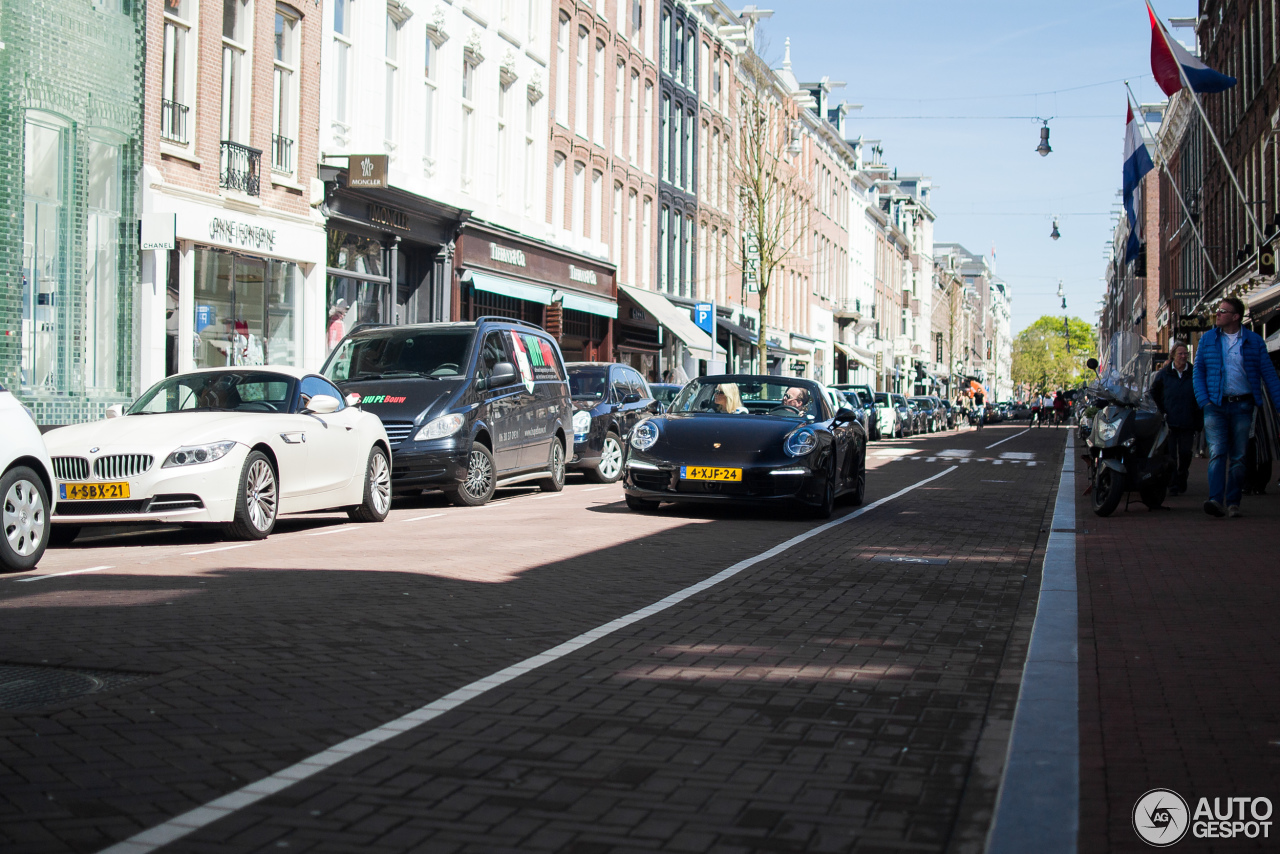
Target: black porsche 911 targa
{"type": "Point", "coordinates": [749, 439]}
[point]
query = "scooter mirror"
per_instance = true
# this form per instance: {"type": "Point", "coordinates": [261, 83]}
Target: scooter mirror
{"type": "Point", "coordinates": [1092, 364]}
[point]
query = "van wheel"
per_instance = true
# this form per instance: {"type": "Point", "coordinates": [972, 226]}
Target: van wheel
{"type": "Point", "coordinates": [555, 465]}
{"type": "Point", "coordinates": [478, 487]}
{"type": "Point", "coordinates": [610, 467]}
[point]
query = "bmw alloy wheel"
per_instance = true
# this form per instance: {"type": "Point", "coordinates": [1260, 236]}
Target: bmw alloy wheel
{"type": "Point", "coordinates": [479, 475]}
{"type": "Point", "coordinates": [23, 518]}
{"type": "Point", "coordinates": [260, 495]}
{"type": "Point", "coordinates": [380, 483]}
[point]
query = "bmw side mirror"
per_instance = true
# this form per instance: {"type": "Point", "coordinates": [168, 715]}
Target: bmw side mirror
{"type": "Point", "coordinates": [323, 404]}
{"type": "Point", "coordinates": [503, 373]}
{"type": "Point", "coordinates": [631, 398]}
{"type": "Point", "coordinates": [115, 410]}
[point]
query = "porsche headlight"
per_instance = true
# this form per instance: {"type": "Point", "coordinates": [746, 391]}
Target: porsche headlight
{"type": "Point", "coordinates": [581, 421]}
{"type": "Point", "coordinates": [191, 455]}
{"type": "Point", "coordinates": [644, 435]}
{"type": "Point", "coordinates": [800, 442]}
{"type": "Point", "coordinates": [439, 428]}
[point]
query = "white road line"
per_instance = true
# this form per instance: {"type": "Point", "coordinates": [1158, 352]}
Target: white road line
{"type": "Point", "coordinates": [200, 817]}
{"type": "Point", "coordinates": [1038, 806]}
{"type": "Point", "coordinates": [333, 531]}
{"type": "Point", "coordinates": [597, 488]}
{"type": "Point", "coordinates": [60, 574]}
{"type": "Point", "coordinates": [218, 549]}
{"type": "Point", "coordinates": [1014, 436]}
{"type": "Point", "coordinates": [420, 518]}
{"type": "Point", "coordinates": [548, 495]}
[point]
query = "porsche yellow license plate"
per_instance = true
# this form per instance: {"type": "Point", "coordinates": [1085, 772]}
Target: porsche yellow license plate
{"type": "Point", "coordinates": [92, 491]}
{"type": "Point", "coordinates": [709, 473]}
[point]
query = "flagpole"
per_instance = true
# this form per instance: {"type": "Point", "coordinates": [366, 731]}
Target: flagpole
{"type": "Point", "coordinates": [1204, 250]}
{"type": "Point", "coordinates": [1186, 84]}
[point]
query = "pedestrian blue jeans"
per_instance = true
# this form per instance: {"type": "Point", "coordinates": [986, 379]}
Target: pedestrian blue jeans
{"type": "Point", "coordinates": [1226, 428]}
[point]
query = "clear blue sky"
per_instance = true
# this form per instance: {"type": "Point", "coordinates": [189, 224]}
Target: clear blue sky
{"type": "Point", "coordinates": [941, 58]}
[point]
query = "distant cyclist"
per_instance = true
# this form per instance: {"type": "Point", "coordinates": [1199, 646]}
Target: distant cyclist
{"type": "Point", "coordinates": [979, 408]}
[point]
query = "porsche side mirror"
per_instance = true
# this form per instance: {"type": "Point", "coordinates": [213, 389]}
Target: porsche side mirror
{"type": "Point", "coordinates": [1092, 365]}
{"type": "Point", "coordinates": [323, 404]}
{"type": "Point", "coordinates": [846, 415]}
{"type": "Point", "coordinates": [352, 399]}
{"type": "Point", "coordinates": [115, 410]}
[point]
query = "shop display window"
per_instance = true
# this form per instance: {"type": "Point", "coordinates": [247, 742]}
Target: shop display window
{"type": "Point", "coordinates": [245, 310]}
{"type": "Point", "coordinates": [363, 296]}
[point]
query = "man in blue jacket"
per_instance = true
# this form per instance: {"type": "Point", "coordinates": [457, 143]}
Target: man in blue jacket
{"type": "Point", "coordinates": [1231, 366]}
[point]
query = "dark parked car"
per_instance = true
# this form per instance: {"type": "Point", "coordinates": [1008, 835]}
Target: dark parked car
{"type": "Point", "coordinates": [751, 439]}
{"type": "Point", "coordinates": [949, 413]}
{"type": "Point", "coordinates": [864, 406]}
{"type": "Point", "coordinates": [928, 407]}
{"type": "Point", "coordinates": [467, 407]}
{"type": "Point", "coordinates": [868, 396]}
{"type": "Point", "coordinates": [608, 400]}
{"type": "Point", "coordinates": [664, 393]}
{"type": "Point", "coordinates": [908, 424]}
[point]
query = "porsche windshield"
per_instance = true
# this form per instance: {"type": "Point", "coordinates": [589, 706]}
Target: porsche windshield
{"type": "Point", "coordinates": [219, 391]}
{"type": "Point", "coordinates": [439, 353]}
{"type": "Point", "coordinates": [743, 396]}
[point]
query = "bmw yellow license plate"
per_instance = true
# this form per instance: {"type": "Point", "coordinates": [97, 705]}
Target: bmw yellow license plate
{"type": "Point", "coordinates": [92, 491]}
{"type": "Point", "coordinates": [709, 473]}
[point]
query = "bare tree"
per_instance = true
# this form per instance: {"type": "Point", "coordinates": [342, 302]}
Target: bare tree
{"type": "Point", "coordinates": [771, 192]}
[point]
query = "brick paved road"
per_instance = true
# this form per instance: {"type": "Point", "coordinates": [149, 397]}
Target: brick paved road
{"type": "Point", "coordinates": [828, 698]}
{"type": "Point", "coordinates": [1179, 651]}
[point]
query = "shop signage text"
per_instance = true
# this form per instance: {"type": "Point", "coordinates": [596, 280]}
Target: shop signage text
{"type": "Point", "coordinates": [513, 257]}
{"type": "Point", "coordinates": [587, 277]}
{"type": "Point", "coordinates": [225, 230]}
{"type": "Point", "coordinates": [158, 231]}
{"type": "Point", "coordinates": [388, 217]}
{"type": "Point", "coordinates": [367, 171]}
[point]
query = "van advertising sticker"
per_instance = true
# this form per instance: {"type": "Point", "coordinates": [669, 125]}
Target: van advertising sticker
{"type": "Point", "coordinates": [522, 361]}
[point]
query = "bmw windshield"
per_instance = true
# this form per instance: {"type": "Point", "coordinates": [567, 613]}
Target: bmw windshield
{"type": "Point", "coordinates": [219, 391]}
{"type": "Point", "coordinates": [749, 396]}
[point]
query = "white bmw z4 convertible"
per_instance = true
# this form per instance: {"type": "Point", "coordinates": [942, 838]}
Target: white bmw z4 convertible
{"type": "Point", "coordinates": [229, 446]}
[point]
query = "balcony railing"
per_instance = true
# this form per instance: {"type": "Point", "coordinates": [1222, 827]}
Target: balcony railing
{"type": "Point", "coordinates": [240, 168]}
{"type": "Point", "coordinates": [173, 121]}
{"type": "Point", "coordinates": [281, 153]}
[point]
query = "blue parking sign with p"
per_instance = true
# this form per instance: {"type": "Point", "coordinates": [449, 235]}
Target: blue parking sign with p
{"type": "Point", "coordinates": [704, 316]}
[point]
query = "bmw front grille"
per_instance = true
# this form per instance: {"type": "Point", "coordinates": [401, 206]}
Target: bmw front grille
{"type": "Point", "coordinates": [122, 465]}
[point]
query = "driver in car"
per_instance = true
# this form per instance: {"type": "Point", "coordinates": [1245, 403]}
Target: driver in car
{"type": "Point", "coordinates": [797, 398]}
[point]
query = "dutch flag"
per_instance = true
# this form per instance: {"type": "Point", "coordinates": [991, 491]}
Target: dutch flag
{"type": "Point", "coordinates": [1167, 55]}
{"type": "Point", "coordinates": [1137, 163]}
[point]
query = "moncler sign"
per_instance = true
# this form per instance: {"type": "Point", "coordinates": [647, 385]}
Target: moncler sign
{"type": "Point", "coordinates": [367, 171]}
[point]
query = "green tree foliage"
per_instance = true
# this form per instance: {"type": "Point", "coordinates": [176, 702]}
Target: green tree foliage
{"type": "Point", "coordinates": [1050, 354]}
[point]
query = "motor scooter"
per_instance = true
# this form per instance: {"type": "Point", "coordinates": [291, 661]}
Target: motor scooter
{"type": "Point", "coordinates": [1127, 440]}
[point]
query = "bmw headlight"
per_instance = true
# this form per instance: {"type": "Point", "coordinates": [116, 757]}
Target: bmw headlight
{"type": "Point", "coordinates": [439, 428]}
{"type": "Point", "coordinates": [191, 455]}
{"type": "Point", "coordinates": [581, 422]}
{"type": "Point", "coordinates": [800, 442]}
{"type": "Point", "coordinates": [644, 435]}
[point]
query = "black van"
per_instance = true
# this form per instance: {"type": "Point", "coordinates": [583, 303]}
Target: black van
{"type": "Point", "coordinates": [468, 407]}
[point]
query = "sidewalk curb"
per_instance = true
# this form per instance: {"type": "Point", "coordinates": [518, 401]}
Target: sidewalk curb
{"type": "Point", "coordinates": [1038, 808]}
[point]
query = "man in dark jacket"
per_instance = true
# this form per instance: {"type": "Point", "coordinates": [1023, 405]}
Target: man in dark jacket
{"type": "Point", "coordinates": [1174, 393]}
{"type": "Point", "coordinates": [1232, 365]}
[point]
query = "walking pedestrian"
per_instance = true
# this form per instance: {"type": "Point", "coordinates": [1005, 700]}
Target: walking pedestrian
{"type": "Point", "coordinates": [1229, 375]}
{"type": "Point", "coordinates": [1173, 390]}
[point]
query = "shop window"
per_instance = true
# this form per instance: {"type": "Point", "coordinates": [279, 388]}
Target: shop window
{"type": "Point", "coordinates": [102, 267]}
{"type": "Point", "coordinates": [245, 310]}
{"type": "Point", "coordinates": [358, 289]}
{"type": "Point", "coordinates": [43, 248]}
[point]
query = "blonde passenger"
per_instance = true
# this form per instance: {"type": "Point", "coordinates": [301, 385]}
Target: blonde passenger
{"type": "Point", "coordinates": [728, 399]}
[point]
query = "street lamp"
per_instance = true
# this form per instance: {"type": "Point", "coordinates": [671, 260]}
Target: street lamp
{"type": "Point", "coordinates": [1043, 148]}
{"type": "Point", "coordinates": [1055, 234]}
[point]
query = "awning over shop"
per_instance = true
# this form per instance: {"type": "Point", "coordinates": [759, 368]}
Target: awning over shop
{"type": "Point", "coordinates": [740, 332]}
{"type": "Point", "coordinates": [863, 357]}
{"type": "Point", "coordinates": [802, 343]}
{"type": "Point", "coordinates": [675, 319]}
{"type": "Point", "coordinates": [508, 287]}
{"type": "Point", "coordinates": [591, 305]}
{"type": "Point", "coordinates": [775, 350]}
